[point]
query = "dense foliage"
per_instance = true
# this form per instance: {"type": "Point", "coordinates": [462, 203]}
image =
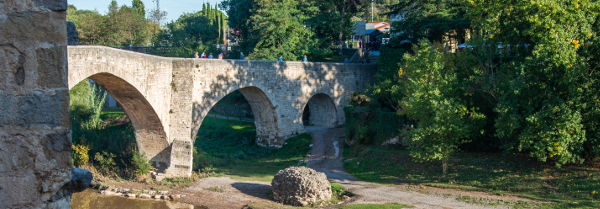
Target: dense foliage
{"type": "Point", "coordinates": [122, 26]}
{"type": "Point", "coordinates": [190, 33]}
{"type": "Point", "coordinates": [527, 81]}
{"type": "Point", "coordinates": [435, 20]}
{"type": "Point", "coordinates": [290, 28]}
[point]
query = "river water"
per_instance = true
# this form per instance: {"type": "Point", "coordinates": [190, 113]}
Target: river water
{"type": "Point", "coordinates": [91, 199]}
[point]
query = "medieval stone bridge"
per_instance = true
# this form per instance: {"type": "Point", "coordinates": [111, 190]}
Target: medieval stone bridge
{"type": "Point", "coordinates": [167, 98]}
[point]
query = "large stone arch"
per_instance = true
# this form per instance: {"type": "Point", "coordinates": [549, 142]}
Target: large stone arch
{"type": "Point", "coordinates": [150, 136]}
{"type": "Point", "coordinates": [265, 115]}
{"type": "Point", "coordinates": [119, 73]}
{"type": "Point", "coordinates": [322, 109]}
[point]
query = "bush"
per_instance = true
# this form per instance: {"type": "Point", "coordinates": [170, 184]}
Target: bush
{"type": "Point", "coordinates": [337, 190]}
{"type": "Point", "coordinates": [140, 163]}
{"type": "Point", "coordinates": [79, 155]}
{"type": "Point", "coordinates": [105, 161]}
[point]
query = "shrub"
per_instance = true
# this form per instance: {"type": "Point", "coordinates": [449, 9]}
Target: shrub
{"type": "Point", "coordinates": [140, 163]}
{"type": "Point", "coordinates": [105, 160]}
{"type": "Point", "coordinates": [79, 155]}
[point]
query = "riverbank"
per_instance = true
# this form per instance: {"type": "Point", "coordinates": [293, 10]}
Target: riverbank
{"type": "Point", "coordinates": [533, 184]}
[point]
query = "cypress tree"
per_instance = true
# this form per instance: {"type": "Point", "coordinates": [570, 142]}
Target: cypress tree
{"type": "Point", "coordinates": [204, 9]}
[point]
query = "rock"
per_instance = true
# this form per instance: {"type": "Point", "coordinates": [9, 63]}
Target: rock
{"type": "Point", "coordinates": [151, 192]}
{"type": "Point", "coordinates": [392, 141]}
{"type": "Point", "coordinates": [345, 198]}
{"type": "Point", "coordinates": [130, 195]}
{"type": "Point", "coordinates": [163, 192]}
{"type": "Point", "coordinates": [300, 186]}
{"type": "Point", "coordinates": [175, 196]}
{"type": "Point", "coordinates": [106, 192]}
{"type": "Point", "coordinates": [144, 196]}
{"type": "Point", "coordinates": [72, 34]}
{"type": "Point", "coordinates": [164, 197]}
{"type": "Point", "coordinates": [157, 196]}
{"type": "Point", "coordinates": [118, 194]}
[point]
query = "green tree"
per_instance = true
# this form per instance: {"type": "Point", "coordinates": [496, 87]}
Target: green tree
{"type": "Point", "coordinates": [539, 99]}
{"type": "Point", "coordinates": [138, 5]}
{"type": "Point", "coordinates": [277, 29]}
{"type": "Point", "coordinates": [443, 120]}
{"type": "Point", "coordinates": [431, 19]}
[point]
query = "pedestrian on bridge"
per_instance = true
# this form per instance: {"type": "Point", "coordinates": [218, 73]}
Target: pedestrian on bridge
{"type": "Point", "coordinates": [220, 56]}
{"type": "Point", "coordinates": [210, 56]}
{"type": "Point", "coordinates": [280, 59]}
{"type": "Point", "coordinates": [242, 55]}
{"type": "Point", "coordinates": [196, 55]}
{"type": "Point", "coordinates": [304, 59]}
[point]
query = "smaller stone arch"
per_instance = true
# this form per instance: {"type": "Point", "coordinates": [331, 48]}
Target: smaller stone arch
{"type": "Point", "coordinates": [320, 110]}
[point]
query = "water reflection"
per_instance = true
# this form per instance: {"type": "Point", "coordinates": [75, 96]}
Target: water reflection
{"type": "Point", "coordinates": [91, 199]}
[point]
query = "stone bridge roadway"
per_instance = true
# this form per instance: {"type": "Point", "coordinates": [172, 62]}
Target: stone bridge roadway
{"type": "Point", "coordinates": [167, 98]}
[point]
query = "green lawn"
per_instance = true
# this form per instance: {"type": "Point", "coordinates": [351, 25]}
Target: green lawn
{"type": "Point", "coordinates": [573, 186]}
{"type": "Point", "coordinates": [231, 149]}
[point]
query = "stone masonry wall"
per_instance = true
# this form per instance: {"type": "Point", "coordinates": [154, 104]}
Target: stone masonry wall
{"type": "Point", "coordinates": [35, 128]}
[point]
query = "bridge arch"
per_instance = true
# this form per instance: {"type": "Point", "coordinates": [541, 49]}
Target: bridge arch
{"type": "Point", "coordinates": [265, 114]}
{"type": "Point", "coordinates": [320, 110]}
{"type": "Point", "coordinates": [119, 73]}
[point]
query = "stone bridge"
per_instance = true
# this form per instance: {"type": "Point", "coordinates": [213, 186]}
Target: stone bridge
{"type": "Point", "coordinates": [167, 98]}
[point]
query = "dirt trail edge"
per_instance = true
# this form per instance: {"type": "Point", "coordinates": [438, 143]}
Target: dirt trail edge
{"type": "Point", "coordinates": [326, 156]}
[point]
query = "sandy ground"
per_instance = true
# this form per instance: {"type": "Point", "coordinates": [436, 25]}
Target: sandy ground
{"type": "Point", "coordinates": [326, 157]}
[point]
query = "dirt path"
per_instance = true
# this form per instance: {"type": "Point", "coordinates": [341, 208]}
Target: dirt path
{"type": "Point", "coordinates": [326, 157]}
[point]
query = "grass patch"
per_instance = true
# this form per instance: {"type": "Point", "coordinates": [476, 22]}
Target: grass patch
{"type": "Point", "coordinates": [566, 187]}
{"type": "Point", "coordinates": [231, 149]}
{"type": "Point", "coordinates": [219, 189]}
{"type": "Point", "coordinates": [111, 113]}
{"type": "Point", "coordinates": [375, 206]}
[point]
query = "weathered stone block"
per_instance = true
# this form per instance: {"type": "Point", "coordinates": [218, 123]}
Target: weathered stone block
{"type": "Point", "coordinates": [52, 70]}
{"type": "Point", "coordinates": [58, 5]}
{"type": "Point", "coordinates": [49, 27]}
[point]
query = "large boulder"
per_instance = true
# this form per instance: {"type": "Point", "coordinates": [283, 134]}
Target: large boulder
{"type": "Point", "coordinates": [300, 186]}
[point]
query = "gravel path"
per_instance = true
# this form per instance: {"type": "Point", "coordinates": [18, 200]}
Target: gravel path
{"type": "Point", "coordinates": [326, 157]}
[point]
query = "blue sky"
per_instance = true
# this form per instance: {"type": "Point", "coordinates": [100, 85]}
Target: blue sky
{"type": "Point", "coordinates": [174, 7]}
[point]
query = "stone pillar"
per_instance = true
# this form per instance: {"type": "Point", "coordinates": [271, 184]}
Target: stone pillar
{"type": "Point", "coordinates": [180, 132]}
{"type": "Point", "coordinates": [35, 127]}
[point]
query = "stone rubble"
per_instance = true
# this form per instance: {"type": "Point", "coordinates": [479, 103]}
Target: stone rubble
{"type": "Point", "coordinates": [300, 186]}
{"type": "Point", "coordinates": [143, 194]}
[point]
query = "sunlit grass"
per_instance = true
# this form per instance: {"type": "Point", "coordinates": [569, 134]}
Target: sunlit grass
{"type": "Point", "coordinates": [231, 149]}
{"type": "Point", "coordinates": [569, 186]}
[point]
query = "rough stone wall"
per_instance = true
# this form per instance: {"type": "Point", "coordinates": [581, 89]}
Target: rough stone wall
{"type": "Point", "coordinates": [35, 128]}
{"type": "Point", "coordinates": [238, 112]}
{"type": "Point", "coordinates": [322, 111]}
{"type": "Point", "coordinates": [285, 88]}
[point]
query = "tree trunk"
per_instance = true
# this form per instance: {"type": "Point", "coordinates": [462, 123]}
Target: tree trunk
{"type": "Point", "coordinates": [341, 32]}
{"type": "Point", "coordinates": [444, 165]}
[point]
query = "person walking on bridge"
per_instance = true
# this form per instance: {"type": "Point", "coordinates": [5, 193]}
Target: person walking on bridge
{"type": "Point", "coordinates": [280, 59]}
{"type": "Point", "coordinates": [210, 56]}
{"type": "Point", "coordinates": [242, 55]}
{"type": "Point", "coordinates": [196, 55]}
{"type": "Point", "coordinates": [304, 59]}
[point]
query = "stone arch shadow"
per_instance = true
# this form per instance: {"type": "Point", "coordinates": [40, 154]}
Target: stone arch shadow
{"type": "Point", "coordinates": [265, 115]}
{"type": "Point", "coordinates": [320, 110]}
{"type": "Point", "coordinates": [149, 132]}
